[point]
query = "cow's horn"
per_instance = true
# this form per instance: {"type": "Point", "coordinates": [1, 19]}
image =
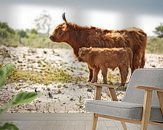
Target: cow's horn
{"type": "Point", "coordinates": [64, 18]}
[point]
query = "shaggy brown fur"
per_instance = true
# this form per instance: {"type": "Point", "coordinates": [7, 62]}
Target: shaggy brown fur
{"type": "Point", "coordinates": [103, 58]}
{"type": "Point", "coordinates": [78, 36]}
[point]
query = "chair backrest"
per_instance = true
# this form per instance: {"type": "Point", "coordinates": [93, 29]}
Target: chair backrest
{"type": "Point", "coordinates": [144, 77]}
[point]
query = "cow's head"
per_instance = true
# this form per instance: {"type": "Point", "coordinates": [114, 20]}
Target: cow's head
{"type": "Point", "coordinates": [84, 54]}
{"type": "Point", "coordinates": [60, 33]}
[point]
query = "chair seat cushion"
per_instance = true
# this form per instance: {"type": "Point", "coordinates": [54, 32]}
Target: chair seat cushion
{"type": "Point", "coordinates": [125, 110]}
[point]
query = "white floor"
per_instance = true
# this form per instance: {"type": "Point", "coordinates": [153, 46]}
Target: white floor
{"type": "Point", "coordinates": [60, 121]}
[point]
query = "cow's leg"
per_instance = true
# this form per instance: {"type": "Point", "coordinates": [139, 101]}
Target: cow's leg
{"type": "Point", "coordinates": [90, 74]}
{"type": "Point", "coordinates": [95, 75]}
{"type": "Point", "coordinates": [135, 62]}
{"type": "Point", "coordinates": [124, 73]}
{"type": "Point", "coordinates": [104, 74]}
{"type": "Point", "coordinates": [138, 59]}
{"type": "Point", "coordinates": [143, 60]}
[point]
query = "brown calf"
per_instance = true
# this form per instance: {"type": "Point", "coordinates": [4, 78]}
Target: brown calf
{"type": "Point", "coordinates": [103, 58]}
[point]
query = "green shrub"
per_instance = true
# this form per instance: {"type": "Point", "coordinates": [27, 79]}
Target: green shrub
{"type": "Point", "coordinates": [155, 45]}
{"type": "Point", "coordinates": [5, 71]}
{"type": "Point", "coordinates": [5, 27]}
{"type": "Point", "coordinates": [20, 98]}
{"type": "Point", "coordinates": [159, 30]}
{"type": "Point", "coordinates": [8, 126]}
{"type": "Point", "coordinates": [8, 36]}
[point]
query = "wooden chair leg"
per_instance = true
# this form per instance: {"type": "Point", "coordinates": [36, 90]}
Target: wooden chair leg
{"type": "Point", "coordinates": [146, 109]}
{"type": "Point", "coordinates": [98, 93]}
{"type": "Point", "coordinates": [113, 94]}
{"type": "Point", "coordinates": [160, 98]}
{"type": "Point", "coordinates": [114, 98]}
{"type": "Point", "coordinates": [94, 122]}
{"type": "Point", "coordinates": [124, 125]}
{"type": "Point", "coordinates": [97, 97]}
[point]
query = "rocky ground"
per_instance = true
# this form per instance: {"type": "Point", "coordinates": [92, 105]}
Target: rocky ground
{"type": "Point", "coordinates": [56, 96]}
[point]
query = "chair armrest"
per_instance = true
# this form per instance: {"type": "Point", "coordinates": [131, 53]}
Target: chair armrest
{"type": "Point", "coordinates": [148, 101]}
{"type": "Point", "coordinates": [148, 88]}
{"type": "Point", "coordinates": [102, 85]}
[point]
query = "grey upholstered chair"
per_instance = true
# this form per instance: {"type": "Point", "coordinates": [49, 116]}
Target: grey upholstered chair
{"type": "Point", "coordinates": [142, 103]}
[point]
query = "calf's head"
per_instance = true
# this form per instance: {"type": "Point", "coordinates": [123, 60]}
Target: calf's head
{"type": "Point", "coordinates": [60, 33]}
{"type": "Point", "coordinates": [84, 54]}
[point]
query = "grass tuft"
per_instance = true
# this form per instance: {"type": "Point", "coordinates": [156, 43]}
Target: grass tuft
{"type": "Point", "coordinates": [43, 77]}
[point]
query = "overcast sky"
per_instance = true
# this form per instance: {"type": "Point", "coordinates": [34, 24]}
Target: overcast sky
{"type": "Point", "coordinates": [110, 14]}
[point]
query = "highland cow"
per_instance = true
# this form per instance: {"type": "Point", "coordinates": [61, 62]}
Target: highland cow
{"type": "Point", "coordinates": [104, 58]}
{"type": "Point", "coordinates": [77, 36]}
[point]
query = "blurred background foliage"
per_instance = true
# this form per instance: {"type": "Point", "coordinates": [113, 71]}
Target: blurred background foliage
{"type": "Point", "coordinates": [159, 30]}
{"type": "Point", "coordinates": [36, 39]}
{"type": "Point", "coordinates": [29, 38]}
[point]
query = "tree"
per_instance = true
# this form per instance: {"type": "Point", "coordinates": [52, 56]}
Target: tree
{"type": "Point", "coordinates": [34, 31]}
{"type": "Point", "coordinates": [8, 35]}
{"type": "Point", "coordinates": [43, 22]}
{"type": "Point", "coordinates": [22, 34]}
{"type": "Point", "coordinates": [159, 30]}
{"type": "Point", "coordinates": [5, 30]}
{"type": "Point", "coordinates": [5, 26]}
